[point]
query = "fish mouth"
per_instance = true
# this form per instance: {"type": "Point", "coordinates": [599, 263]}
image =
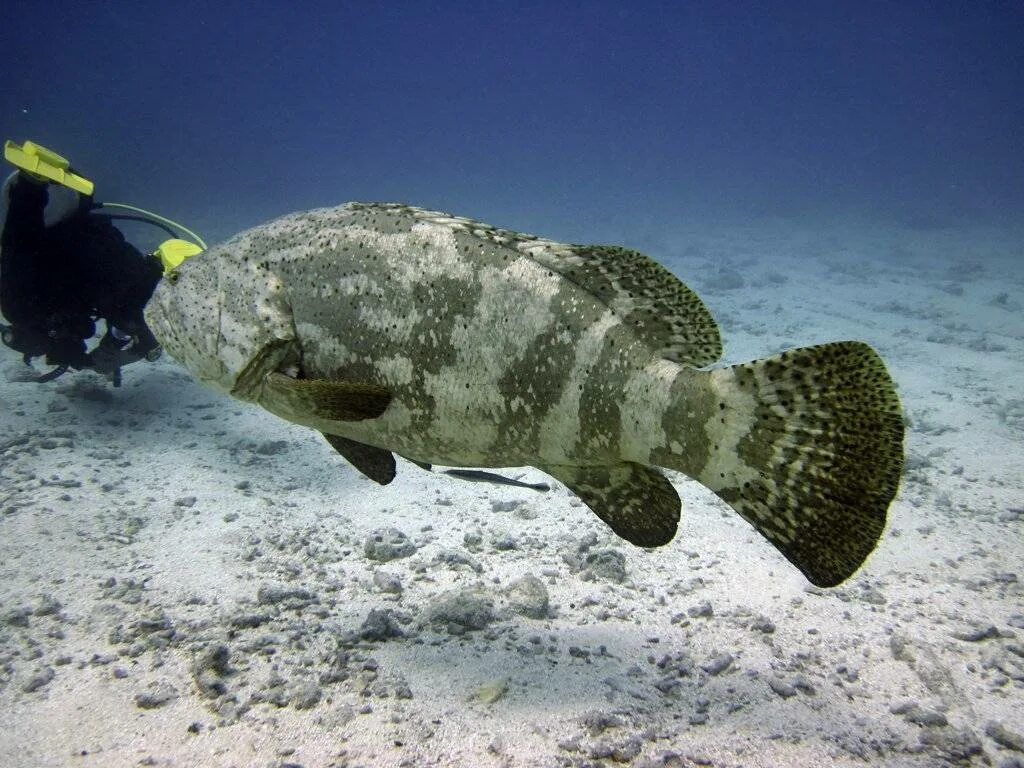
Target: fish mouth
{"type": "Point", "coordinates": [155, 316]}
{"type": "Point", "coordinates": [181, 341]}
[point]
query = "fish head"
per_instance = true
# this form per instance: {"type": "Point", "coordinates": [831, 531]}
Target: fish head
{"type": "Point", "coordinates": [225, 320]}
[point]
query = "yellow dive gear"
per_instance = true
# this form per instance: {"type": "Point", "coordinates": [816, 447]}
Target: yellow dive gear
{"type": "Point", "coordinates": [46, 165]}
{"type": "Point", "coordinates": [173, 252]}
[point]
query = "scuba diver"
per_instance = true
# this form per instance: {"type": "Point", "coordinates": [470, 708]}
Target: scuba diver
{"type": "Point", "coordinates": [62, 270]}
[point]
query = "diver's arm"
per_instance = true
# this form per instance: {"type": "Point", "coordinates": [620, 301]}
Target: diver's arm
{"type": "Point", "coordinates": [22, 238]}
{"type": "Point", "coordinates": [24, 225]}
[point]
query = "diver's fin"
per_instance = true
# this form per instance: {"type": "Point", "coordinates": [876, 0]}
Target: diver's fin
{"type": "Point", "coordinates": [481, 476]}
{"type": "Point", "coordinates": [333, 400]}
{"type": "Point", "coordinates": [809, 450]}
{"type": "Point", "coordinates": [376, 463]}
{"type": "Point", "coordinates": [637, 502]}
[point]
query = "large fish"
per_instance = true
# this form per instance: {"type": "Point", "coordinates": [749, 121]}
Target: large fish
{"type": "Point", "coordinates": [396, 330]}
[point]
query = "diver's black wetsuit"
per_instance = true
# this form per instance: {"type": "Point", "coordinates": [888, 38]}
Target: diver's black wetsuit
{"type": "Point", "coordinates": [56, 281]}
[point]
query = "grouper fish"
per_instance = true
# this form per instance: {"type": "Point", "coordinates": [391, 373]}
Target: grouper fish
{"type": "Point", "coordinates": [397, 330]}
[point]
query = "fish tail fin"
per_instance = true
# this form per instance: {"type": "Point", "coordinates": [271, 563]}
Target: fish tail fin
{"type": "Point", "coordinates": [807, 446]}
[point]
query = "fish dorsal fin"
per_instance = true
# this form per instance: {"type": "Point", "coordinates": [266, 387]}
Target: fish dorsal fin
{"type": "Point", "coordinates": [656, 304]}
{"type": "Point", "coordinates": [376, 463]}
{"type": "Point", "coordinates": [648, 298]}
{"type": "Point", "coordinates": [637, 502]}
{"type": "Point", "coordinates": [325, 399]}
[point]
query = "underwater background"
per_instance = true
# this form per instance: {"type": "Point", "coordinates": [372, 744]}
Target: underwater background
{"type": "Point", "coordinates": [187, 581]}
{"type": "Point", "coordinates": [581, 120]}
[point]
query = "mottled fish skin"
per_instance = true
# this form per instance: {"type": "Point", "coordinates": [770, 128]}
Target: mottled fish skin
{"type": "Point", "coordinates": [456, 343]}
{"type": "Point", "coordinates": [491, 360]}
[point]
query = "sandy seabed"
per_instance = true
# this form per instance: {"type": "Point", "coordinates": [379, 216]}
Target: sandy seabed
{"type": "Point", "coordinates": [188, 581]}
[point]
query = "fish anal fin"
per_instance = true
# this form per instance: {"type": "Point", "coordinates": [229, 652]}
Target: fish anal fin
{"type": "Point", "coordinates": [637, 502]}
{"type": "Point", "coordinates": [326, 399]}
{"type": "Point", "coordinates": [376, 463]}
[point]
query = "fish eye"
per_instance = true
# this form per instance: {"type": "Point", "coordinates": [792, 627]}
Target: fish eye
{"type": "Point", "coordinates": [172, 277]}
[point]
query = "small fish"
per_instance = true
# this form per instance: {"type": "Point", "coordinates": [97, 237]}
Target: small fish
{"type": "Point", "coordinates": [477, 476]}
{"type": "Point", "coordinates": [480, 476]}
{"type": "Point", "coordinates": [397, 330]}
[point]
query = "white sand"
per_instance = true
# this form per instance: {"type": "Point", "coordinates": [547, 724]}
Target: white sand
{"type": "Point", "coordinates": [95, 514]}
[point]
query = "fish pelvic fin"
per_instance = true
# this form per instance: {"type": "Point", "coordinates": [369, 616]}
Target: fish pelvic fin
{"type": "Point", "coordinates": [807, 446]}
{"type": "Point", "coordinates": [376, 463]}
{"type": "Point", "coordinates": [637, 502]}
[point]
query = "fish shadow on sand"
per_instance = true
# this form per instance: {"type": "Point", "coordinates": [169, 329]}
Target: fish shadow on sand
{"type": "Point", "coordinates": [580, 669]}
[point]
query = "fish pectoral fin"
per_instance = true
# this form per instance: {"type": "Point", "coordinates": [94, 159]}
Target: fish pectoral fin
{"type": "Point", "coordinates": [376, 463]}
{"type": "Point", "coordinates": [637, 502]}
{"type": "Point", "coordinates": [325, 399]}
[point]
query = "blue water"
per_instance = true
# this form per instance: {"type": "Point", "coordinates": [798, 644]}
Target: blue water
{"type": "Point", "coordinates": [585, 121]}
